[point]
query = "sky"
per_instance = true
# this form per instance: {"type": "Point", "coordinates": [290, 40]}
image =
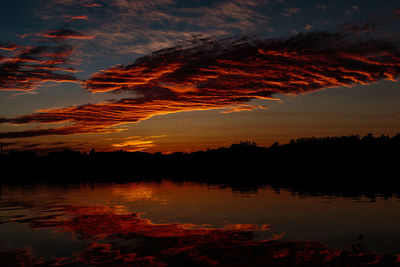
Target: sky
{"type": "Point", "coordinates": [169, 75]}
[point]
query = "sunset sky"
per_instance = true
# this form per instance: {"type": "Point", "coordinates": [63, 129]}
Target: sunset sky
{"type": "Point", "coordinates": [170, 75]}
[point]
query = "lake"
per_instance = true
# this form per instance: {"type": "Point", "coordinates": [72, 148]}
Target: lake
{"type": "Point", "coordinates": [85, 224]}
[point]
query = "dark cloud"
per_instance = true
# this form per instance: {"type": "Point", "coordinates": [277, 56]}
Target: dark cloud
{"type": "Point", "coordinates": [397, 14]}
{"type": "Point", "coordinates": [352, 9]}
{"type": "Point", "coordinates": [62, 131]}
{"type": "Point", "coordinates": [30, 66]}
{"type": "Point", "coordinates": [321, 6]}
{"type": "Point", "coordinates": [57, 143]}
{"type": "Point", "coordinates": [291, 11]}
{"type": "Point", "coordinates": [30, 146]}
{"type": "Point", "coordinates": [209, 74]}
{"type": "Point", "coordinates": [6, 144]}
{"type": "Point", "coordinates": [369, 27]}
{"type": "Point", "coordinates": [38, 147]}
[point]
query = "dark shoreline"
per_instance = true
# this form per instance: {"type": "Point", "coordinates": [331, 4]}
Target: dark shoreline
{"type": "Point", "coordinates": [348, 165]}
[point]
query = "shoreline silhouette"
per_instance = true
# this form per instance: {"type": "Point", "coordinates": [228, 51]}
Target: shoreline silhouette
{"type": "Point", "coordinates": [332, 165]}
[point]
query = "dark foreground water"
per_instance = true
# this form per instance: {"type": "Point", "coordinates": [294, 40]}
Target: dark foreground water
{"type": "Point", "coordinates": [159, 224]}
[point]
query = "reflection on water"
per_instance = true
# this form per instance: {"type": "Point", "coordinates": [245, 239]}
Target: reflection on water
{"type": "Point", "coordinates": [154, 224]}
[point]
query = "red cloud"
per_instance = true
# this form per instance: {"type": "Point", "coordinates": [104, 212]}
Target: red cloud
{"type": "Point", "coordinates": [253, 68]}
{"type": "Point", "coordinates": [30, 66]}
{"type": "Point", "coordinates": [60, 35]}
{"type": "Point", "coordinates": [63, 34]}
{"type": "Point", "coordinates": [213, 74]}
{"type": "Point", "coordinates": [8, 46]}
{"type": "Point", "coordinates": [92, 5]}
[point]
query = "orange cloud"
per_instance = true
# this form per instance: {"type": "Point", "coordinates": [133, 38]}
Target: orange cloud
{"type": "Point", "coordinates": [243, 108]}
{"type": "Point", "coordinates": [247, 227]}
{"type": "Point", "coordinates": [210, 74]}
{"type": "Point", "coordinates": [81, 17]}
{"type": "Point", "coordinates": [134, 145]}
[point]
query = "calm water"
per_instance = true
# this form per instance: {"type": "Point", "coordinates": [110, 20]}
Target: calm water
{"type": "Point", "coordinates": [54, 222]}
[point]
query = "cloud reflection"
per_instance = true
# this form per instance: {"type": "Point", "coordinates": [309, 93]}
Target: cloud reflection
{"type": "Point", "coordinates": [145, 243]}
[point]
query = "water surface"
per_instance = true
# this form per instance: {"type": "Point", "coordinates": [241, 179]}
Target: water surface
{"type": "Point", "coordinates": [54, 224]}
